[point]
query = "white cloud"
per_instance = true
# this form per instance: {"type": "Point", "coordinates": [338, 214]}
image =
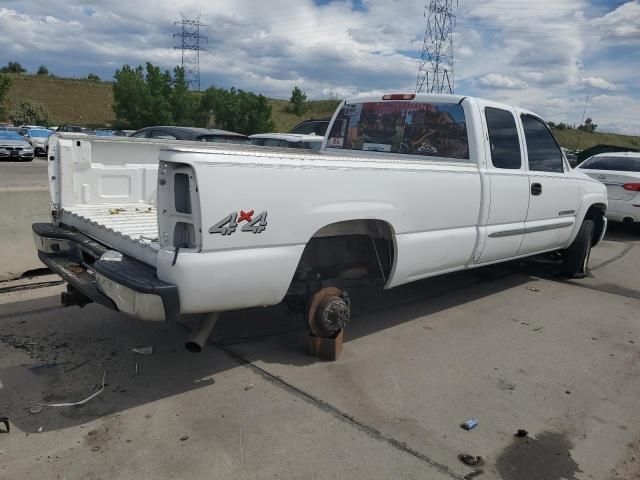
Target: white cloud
{"type": "Point", "coordinates": [544, 56]}
{"type": "Point", "coordinates": [599, 83]}
{"type": "Point", "coordinates": [502, 81]}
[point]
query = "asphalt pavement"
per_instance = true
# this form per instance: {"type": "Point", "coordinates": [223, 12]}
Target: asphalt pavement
{"type": "Point", "coordinates": [24, 174]}
{"type": "Point", "coordinates": [511, 346]}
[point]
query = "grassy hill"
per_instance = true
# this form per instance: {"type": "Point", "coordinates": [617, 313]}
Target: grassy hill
{"type": "Point", "coordinates": [573, 139]}
{"type": "Point", "coordinates": [69, 101]}
{"type": "Point", "coordinates": [87, 103]}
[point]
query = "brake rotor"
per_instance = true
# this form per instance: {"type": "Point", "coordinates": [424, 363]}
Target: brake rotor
{"type": "Point", "coordinates": [329, 312]}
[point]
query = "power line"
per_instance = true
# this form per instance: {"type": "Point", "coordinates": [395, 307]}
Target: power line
{"type": "Point", "coordinates": [190, 45]}
{"type": "Point", "coordinates": [435, 71]}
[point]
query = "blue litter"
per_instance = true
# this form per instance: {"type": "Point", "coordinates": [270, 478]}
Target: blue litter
{"type": "Point", "coordinates": [469, 424]}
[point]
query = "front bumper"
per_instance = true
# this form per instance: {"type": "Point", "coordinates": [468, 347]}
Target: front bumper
{"type": "Point", "coordinates": [125, 285]}
{"type": "Point", "coordinates": [17, 155]}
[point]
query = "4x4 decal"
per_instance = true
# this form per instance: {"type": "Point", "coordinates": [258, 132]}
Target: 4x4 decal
{"type": "Point", "coordinates": [230, 223]}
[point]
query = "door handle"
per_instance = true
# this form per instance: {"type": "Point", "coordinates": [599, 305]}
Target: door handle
{"type": "Point", "coordinates": [536, 189]}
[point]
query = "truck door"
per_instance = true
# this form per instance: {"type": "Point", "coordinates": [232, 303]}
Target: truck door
{"type": "Point", "coordinates": [554, 196]}
{"type": "Point", "coordinates": [509, 184]}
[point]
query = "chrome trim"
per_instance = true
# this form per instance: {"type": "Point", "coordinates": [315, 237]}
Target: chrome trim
{"type": "Point", "coordinates": [144, 306]}
{"type": "Point", "coordinates": [604, 230]}
{"type": "Point", "coordinates": [566, 212]}
{"type": "Point", "coordinates": [52, 245]}
{"type": "Point", "coordinates": [520, 231]}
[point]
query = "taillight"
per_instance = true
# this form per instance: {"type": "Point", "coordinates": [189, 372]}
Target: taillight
{"type": "Point", "coordinates": [634, 187]}
{"type": "Point", "coordinates": [399, 96]}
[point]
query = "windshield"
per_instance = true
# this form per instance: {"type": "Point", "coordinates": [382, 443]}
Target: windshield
{"type": "Point", "coordinates": [620, 164]}
{"type": "Point", "coordinates": [10, 136]}
{"type": "Point", "coordinates": [414, 128]}
{"type": "Point", "coordinates": [39, 133]}
{"type": "Point", "coordinates": [222, 139]}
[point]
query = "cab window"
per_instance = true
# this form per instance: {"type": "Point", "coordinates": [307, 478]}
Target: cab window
{"type": "Point", "coordinates": [543, 151]}
{"type": "Point", "coordinates": [503, 138]}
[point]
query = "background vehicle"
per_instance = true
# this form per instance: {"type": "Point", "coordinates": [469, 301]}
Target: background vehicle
{"type": "Point", "coordinates": [37, 137]}
{"type": "Point", "coordinates": [312, 127]}
{"type": "Point", "coordinates": [620, 172]}
{"type": "Point", "coordinates": [73, 129]}
{"type": "Point", "coordinates": [407, 186]}
{"type": "Point", "coordinates": [192, 134]}
{"type": "Point", "coordinates": [14, 147]}
{"type": "Point", "coordinates": [287, 140]}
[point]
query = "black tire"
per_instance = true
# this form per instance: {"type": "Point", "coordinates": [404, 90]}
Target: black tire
{"type": "Point", "coordinates": [575, 259]}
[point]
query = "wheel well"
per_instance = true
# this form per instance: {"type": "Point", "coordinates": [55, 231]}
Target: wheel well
{"type": "Point", "coordinates": [342, 254]}
{"type": "Point", "coordinates": [596, 213]}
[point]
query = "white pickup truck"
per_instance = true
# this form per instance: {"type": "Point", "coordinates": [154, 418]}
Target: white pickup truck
{"type": "Point", "coordinates": [405, 187]}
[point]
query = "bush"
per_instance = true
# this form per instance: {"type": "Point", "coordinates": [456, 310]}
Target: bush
{"type": "Point", "coordinates": [298, 101]}
{"type": "Point", "coordinates": [13, 67]}
{"type": "Point", "coordinates": [5, 85]}
{"type": "Point", "coordinates": [29, 112]}
{"type": "Point", "coordinates": [42, 70]}
{"type": "Point", "coordinates": [93, 77]}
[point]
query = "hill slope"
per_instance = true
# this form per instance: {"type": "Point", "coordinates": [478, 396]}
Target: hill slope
{"type": "Point", "coordinates": [89, 103]}
{"type": "Point", "coordinates": [69, 101]}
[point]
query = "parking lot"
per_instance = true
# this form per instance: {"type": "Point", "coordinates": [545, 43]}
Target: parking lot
{"type": "Point", "coordinates": [512, 346]}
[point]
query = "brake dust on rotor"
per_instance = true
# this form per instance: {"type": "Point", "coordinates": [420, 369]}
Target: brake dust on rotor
{"type": "Point", "coordinates": [329, 312]}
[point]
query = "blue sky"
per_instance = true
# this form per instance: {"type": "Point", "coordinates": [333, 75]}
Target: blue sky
{"type": "Point", "coordinates": [546, 55]}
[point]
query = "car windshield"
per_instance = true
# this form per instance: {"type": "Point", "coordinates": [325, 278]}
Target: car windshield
{"type": "Point", "coordinates": [414, 128]}
{"type": "Point", "coordinates": [620, 164]}
{"type": "Point", "coordinates": [223, 139]}
{"type": "Point", "coordinates": [10, 136]}
{"type": "Point", "coordinates": [39, 133]}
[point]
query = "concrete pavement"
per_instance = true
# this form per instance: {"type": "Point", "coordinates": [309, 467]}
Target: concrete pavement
{"type": "Point", "coordinates": [513, 347]}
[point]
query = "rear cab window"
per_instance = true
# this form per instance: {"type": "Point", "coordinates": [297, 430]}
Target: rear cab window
{"type": "Point", "coordinates": [504, 140]}
{"type": "Point", "coordinates": [413, 128]}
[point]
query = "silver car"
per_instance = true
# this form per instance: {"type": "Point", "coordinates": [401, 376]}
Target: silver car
{"type": "Point", "coordinates": [14, 148]}
{"type": "Point", "coordinates": [37, 137]}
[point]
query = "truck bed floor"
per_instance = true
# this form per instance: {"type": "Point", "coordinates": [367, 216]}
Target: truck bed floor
{"type": "Point", "coordinates": [126, 227]}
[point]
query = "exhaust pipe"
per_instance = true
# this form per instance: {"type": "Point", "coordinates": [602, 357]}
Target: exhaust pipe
{"type": "Point", "coordinates": [199, 335]}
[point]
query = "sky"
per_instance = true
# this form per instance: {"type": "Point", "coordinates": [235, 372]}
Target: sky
{"type": "Point", "coordinates": [550, 56]}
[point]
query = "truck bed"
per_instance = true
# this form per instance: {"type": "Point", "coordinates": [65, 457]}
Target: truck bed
{"type": "Point", "coordinates": [130, 228]}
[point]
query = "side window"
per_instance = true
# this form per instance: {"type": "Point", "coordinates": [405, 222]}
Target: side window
{"type": "Point", "coordinates": [503, 138]}
{"type": "Point", "coordinates": [143, 134]}
{"type": "Point", "coordinates": [542, 149]}
{"type": "Point", "coordinates": [272, 142]}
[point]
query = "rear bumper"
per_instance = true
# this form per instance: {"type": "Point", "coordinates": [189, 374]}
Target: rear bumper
{"type": "Point", "coordinates": [125, 285]}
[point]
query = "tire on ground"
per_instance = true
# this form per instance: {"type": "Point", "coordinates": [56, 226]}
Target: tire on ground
{"type": "Point", "coordinates": [575, 260]}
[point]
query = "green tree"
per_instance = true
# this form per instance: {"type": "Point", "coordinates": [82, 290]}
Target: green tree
{"type": "Point", "coordinates": [5, 85]}
{"type": "Point", "coordinates": [29, 112]}
{"type": "Point", "coordinates": [236, 110]}
{"type": "Point", "coordinates": [13, 67]}
{"type": "Point", "coordinates": [93, 77]}
{"type": "Point", "coordinates": [183, 102]}
{"type": "Point", "coordinates": [42, 70]}
{"type": "Point", "coordinates": [144, 97]}
{"type": "Point", "coordinates": [298, 101]}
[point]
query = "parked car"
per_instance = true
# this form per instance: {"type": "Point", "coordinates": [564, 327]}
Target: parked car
{"type": "Point", "coordinates": [287, 140]}
{"type": "Point", "coordinates": [14, 147]}
{"type": "Point", "coordinates": [37, 137]}
{"type": "Point", "coordinates": [312, 127]}
{"type": "Point", "coordinates": [8, 128]}
{"type": "Point", "coordinates": [620, 172]}
{"type": "Point", "coordinates": [201, 230]}
{"type": "Point", "coordinates": [192, 134]}
{"type": "Point", "coordinates": [71, 128]}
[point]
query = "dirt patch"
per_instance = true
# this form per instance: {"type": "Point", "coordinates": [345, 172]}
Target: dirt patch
{"type": "Point", "coordinates": [545, 457]}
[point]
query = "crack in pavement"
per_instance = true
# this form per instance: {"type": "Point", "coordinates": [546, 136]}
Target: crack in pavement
{"type": "Point", "coordinates": [335, 411]}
